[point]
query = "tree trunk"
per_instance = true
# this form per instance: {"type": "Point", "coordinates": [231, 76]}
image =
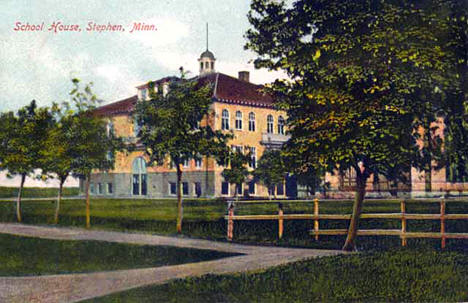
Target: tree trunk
{"type": "Point", "coordinates": [18, 201]}
{"type": "Point", "coordinates": [428, 179]}
{"type": "Point", "coordinates": [88, 215]}
{"type": "Point", "coordinates": [180, 210]}
{"type": "Point", "coordinates": [428, 164]}
{"type": "Point", "coordinates": [350, 243]}
{"type": "Point", "coordinates": [59, 199]}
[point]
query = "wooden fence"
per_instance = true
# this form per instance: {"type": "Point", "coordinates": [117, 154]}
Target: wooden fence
{"type": "Point", "coordinates": [316, 217]}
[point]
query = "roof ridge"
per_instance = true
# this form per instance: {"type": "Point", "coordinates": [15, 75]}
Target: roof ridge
{"type": "Point", "coordinates": [216, 85]}
{"type": "Point", "coordinates": [119, 101]}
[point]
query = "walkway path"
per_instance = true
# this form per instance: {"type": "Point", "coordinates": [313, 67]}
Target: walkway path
{"type": "Point", "coordinates": [76, 287]}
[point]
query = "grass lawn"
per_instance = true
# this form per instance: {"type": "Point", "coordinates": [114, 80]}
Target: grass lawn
{"type": "Point", "coordinates": [37, 192]}
{"type": "Point", "coordinates": [21, 256]}
{"type": "Point", "coordinates": [402, 275]}
{"type": "Point", "coordinates": [380, 272]}
{"type": "Point", "coordinates": [204, 219]}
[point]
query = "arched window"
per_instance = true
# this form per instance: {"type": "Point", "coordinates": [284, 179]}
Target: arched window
{"type": "Point", "coordinates": [252, 122]}
{"type": "Point", "coordinates": [139, 177]}
{"type": "Point", "coordinates": [201, 65]}
{"type": "Point", "coordinates": [270, 124]}
{"type": "Point", "coordinates": [238, 120]}
{"type": "Point", "coordinates": [281, 125]}
{"type": "Point", "coordinates": [225, 119]}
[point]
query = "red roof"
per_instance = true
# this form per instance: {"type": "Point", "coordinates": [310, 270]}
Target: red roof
{"type": "Point", "coordinates": [120, 107]}
{"type": "Point", "coordinates": [226, 89]}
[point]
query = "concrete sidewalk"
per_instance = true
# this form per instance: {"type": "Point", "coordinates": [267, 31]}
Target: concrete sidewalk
{"type": "Point", "coordinates": [76, 287]}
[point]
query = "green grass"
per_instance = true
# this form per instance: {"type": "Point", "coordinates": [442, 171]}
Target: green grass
{"type": "Point", "coordinates": [21, 256]}
{"type": "Point", "coordinates": [392, 276]}
{"type": "Point", "coordinates": [204, 219]}
{"type": "Point", "coordinates": [37, 192]}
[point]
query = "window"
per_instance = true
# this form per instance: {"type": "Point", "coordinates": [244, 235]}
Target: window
{"type": "Point", "coordinates": [139, 186]}
{"type": "Point", "coordinates": [225, 120]}
{"type": "Point", "coordinates": [207, 65]}
{"type": "Point", "coordinates": [172, 188]}
{"type": "Point", "coordinates": [252, 188]}
{"type": "Point", "coordinates": [212, 65]}
{"type": "Point", "coordinates": [110, 128]}
{"type": "Point", "coordinates": [144, 94]}
{"type": "Point", "coordinates": [253, 157]}
{"type": "Point", "coordinates": [270, 124]}
{"type": "Point", "coordinates": [201, 65]}
{"type": "Point", "coordinates": [186, 163]}
{"type": "Point", "coordinates": [159, 89]}
{"type": "Point", "coordinates": [109, 155]}
{"type": "Point", "coordinates": [280, 189]}
{"type": "Point", "coordinates": [281, 125]}
{"type": "Point", "coordinates": [110, 190]}
{"type": "Point", "coordinates": [252, 122]}
{"type": "Point", "coordinates": [237, 148]}
{"type": "Point", "coordinates": [91, 188]}
{"type": "Point", "coordinates": [239, 188]}
{"type": "Point", "coordinates": [224, 188]}
{"type": "Point", "coordinates": [198, 162]}
{"type": "Point", "coordinates": [136, 127]}
{"type": "Point", "coordinates": [197, 189]}
{"type": "Point", "coordinates": [238, 120]}
{"type": "Point", "coordinates": [185, 188]}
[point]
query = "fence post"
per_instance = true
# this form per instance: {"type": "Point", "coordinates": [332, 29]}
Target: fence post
{"type": "Point", "coordinates": [230, 227]}
{"type": "Point", "coordinates": [403, 223]}
{"type": "Point", "coordinates": [280, 220]}
{"type": "Point", "coordinates": [442, 222]}
{"type": "Point", "coordinates": [316, 221]}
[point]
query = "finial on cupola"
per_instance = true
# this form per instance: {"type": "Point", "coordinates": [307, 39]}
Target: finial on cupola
{"type": "Point", "coordinates": [207, 59]}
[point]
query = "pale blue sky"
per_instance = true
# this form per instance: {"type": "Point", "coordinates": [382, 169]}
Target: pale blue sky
{"type": "Point", "coordinates": [38, 65]}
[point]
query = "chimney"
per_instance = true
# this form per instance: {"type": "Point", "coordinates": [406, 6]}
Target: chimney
{"type": "Point", "coordinates": [244, 76]}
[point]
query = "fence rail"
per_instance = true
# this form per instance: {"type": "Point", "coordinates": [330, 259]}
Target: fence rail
{"type": "Point", "coordinates": [402, 233]}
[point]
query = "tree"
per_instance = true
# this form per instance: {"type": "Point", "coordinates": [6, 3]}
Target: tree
{"type": "Point", "coordinates": [360, 73]}
{"type": "Point", "coordinates": [454, 39]}
{"type": "Point", "coordinates": [271, 170]}
{"type": "Point", "coordinates": [237, 172]}
{"type": "Point", "coordinates": [23, 136]}
{"type": "Point", "coordinates": [57, 156]}
{"type": "Point", "coordinates": [92, 148]}
{"type": "Point", "coordinates": [177, 125]}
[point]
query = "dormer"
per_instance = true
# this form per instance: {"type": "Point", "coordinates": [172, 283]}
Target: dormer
{"type": "Point", "coordinates": [143, 92]}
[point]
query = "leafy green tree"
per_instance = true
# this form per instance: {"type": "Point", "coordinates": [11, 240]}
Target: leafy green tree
{"type": "Point", "coordinates": [453, 14]}
{"type": "Point", "coordinates": [237, 172]}
{"type": "Point", "coordinates": [24, 140]}
{"type": "Point", "coordinates": [361, 72]}
{"type": "Point", "coordinates": [271, 170]}
{"type": "Point", "coordinates": [92, 148]}
{"type": "Point", "coordinates": [172, 126]}
{"type": "Point", "coordinates": [57, 156]}
{"type": "Point", "coordinates": [310, 179]}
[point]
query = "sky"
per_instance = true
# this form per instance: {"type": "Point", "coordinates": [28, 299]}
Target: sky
{"type": "Point", "coordinates": [39, 64]}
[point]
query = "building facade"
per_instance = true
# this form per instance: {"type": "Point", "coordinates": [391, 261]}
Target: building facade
{"type": "Point", "coordinates": [238, 106]}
